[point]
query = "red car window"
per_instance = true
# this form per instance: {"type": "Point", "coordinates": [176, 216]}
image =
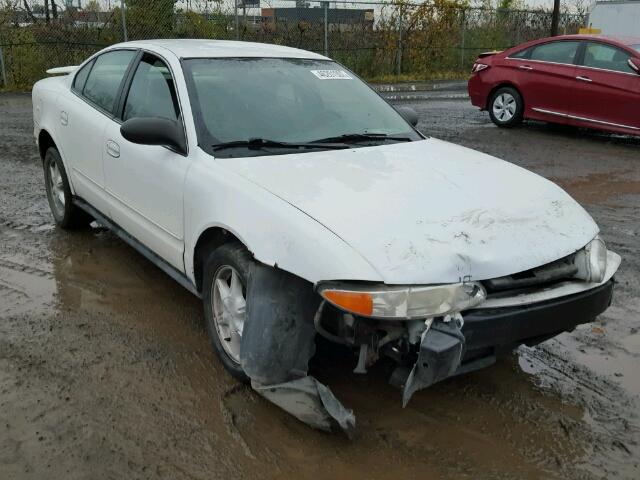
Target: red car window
{"type": "Point", "coordinates": [556, 52]}
{"type": "Point", "coordinates": [606, 57]}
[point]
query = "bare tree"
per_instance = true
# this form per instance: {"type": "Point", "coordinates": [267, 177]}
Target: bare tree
{"type": "Point", "coordinates": [555, 17]}
{"type": "Point", "coordinates": [47, 13]}
{"type": "Point", "coordinates": [27, 9]}
{"type": "Point", "coordinates": [54, 9]}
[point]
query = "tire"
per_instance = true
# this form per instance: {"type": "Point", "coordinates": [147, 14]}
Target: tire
{"type": "Point", "coordinates": [67, 215]}
{"type": "Point", "coordinates": [228, 259]}
{"type": "Point", "coordinates": [506, 107]}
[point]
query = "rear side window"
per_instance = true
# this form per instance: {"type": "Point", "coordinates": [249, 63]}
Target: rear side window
{"type": "Point", "coordinates": [556, 52]}
{"type": "Point", "coordinates": [152, 92]}
{"type": "Point", "coordinates": [607, 57]}
{"type": "Point", "coordinates": [81, 77]}
{"type": "Point", "coordinates": [107, 73]}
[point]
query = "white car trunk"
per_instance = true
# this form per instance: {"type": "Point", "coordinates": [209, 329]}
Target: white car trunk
{"type": "Point", "coordinates": [429, 211]}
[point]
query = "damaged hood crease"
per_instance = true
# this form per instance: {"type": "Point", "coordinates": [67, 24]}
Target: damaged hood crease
{"type": "Point", "coordinates": [428, 211]}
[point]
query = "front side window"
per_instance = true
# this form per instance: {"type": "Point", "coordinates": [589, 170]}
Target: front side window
{"type": "Point", "coordinates": [556, 52]}
{"type": "Point", "coordinates": [606, 57]}
{"type": "Point", "coordinates": [152, 92]}
{"type": "Point", "coordinates": [284, 100]}
{"type": "Point", "coordinates": [105, 78]}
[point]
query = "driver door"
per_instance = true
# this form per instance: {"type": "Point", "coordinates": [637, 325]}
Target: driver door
{"type": "Point", "coordinates": [606, 90]}
{"type": "Point", "coordinates": [144, 183]}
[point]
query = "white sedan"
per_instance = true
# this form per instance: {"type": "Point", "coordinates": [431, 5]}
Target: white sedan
{"type": "Point", "coordinates": [277, 186]}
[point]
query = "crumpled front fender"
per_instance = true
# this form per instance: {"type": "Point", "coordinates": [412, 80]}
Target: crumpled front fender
{"type": "Point", "coordinates": [277, 344]}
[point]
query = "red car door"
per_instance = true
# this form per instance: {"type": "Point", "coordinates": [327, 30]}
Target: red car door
{"type": "Point", "coordinates": [606, 90]}
{"type": "Point", "coordinates": [545, 73]}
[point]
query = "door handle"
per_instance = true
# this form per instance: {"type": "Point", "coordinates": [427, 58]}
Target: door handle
{"type": "Point", "coordinates": [113, 149]}
{"type": "Point", "coordinates": [64, 118]}
{"type": "Point", "coordinates": [584, 79]}
{"type": "Point", "coordinates": [525, 67]}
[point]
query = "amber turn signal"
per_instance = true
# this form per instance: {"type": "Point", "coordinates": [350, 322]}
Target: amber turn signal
{"type": "Point", "coordinates": [359, 303]}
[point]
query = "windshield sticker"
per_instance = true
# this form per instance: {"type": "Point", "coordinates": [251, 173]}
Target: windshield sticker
{"type": "Point", "coordinates": [332, 74]}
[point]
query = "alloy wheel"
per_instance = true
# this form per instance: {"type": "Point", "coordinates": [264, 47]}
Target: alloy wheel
{"type": "Point", "coordinates": [228, 303]}
{"type": "Point", "coordinates": [504, 107]}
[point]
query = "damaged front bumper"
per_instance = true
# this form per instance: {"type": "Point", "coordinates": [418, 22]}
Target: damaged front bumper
{"type": "Point", "coordinates": [438, 348]}
{"type": "Point", "coordinates": [278, 337]}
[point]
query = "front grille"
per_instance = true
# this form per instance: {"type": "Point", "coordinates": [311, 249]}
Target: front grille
{"type": "Point", "coordinates": [545, 275]}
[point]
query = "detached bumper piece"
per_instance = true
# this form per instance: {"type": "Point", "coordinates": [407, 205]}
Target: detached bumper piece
{"type": "Point", "coordinates": [442, 348]}
{"type": "Point", "coordinates": [446, 349]}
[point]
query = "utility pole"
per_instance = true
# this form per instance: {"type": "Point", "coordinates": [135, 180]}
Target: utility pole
{"type": "Point", "coordinates": [237, 23]}
{"type": "Point", "coordinates": [124, 21]}
{"type": "Point", "coordinates": [555, 17]}
{"type": "Point", "coordinates": [325, 5]}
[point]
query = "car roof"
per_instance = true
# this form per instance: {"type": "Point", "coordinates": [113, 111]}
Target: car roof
{"type": "Point", "coordinates": [625, 42]}
{"type": "Point", "coordinates": [622, 40]}
{"type": "Point", "coordinates": [192, 48]}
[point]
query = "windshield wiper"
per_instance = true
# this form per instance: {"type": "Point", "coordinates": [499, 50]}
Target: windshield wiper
{"type": "Point", "coordinates": [258, 143]}
{"type": "Point", "coordinates": [358, 137]}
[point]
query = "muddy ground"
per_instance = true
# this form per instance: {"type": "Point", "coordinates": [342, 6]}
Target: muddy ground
{"type": "Point", "coordinates": [106, 369]}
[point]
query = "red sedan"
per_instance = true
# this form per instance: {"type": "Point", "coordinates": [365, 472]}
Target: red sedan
{"type": "Point", "coordinates": [582, 80]}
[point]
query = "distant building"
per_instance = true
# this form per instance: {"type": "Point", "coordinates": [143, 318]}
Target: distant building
{"type": "Point", "coordinates": [616, 17]}
{"type": "Point", "coordinates": [337, 17]}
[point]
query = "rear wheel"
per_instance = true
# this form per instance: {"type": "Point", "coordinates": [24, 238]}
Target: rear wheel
{"type": "Point", "coordinates": [506, 107]}
{"type": "Point", "coordinates": [66, 214]}
{"type": "Point", "coordinates": [224, 297]}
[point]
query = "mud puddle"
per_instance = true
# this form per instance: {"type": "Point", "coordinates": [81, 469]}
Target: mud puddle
{"type": "Point", "coordinates": [106, 370]}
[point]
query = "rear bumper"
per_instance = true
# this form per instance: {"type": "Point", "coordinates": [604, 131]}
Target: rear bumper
{"type": "Point", "coordinates": [478, 91]}
{"type": "Point", "coordinates": [490, 332]}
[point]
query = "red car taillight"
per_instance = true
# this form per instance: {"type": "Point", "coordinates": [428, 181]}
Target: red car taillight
{"type": "Point", "coordinates": [478, 67]}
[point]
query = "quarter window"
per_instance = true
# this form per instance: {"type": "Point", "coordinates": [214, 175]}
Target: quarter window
{"type": "Point", "coordinates": [105, 78]}
{"type": "Point", "coordinates": [522, 53]}
{"type": "Point", "coordinates": [607, 57]}
{"type": "Point", "coordinates": [81, 77]}
{"type": "Point", "coordinates": [152, 92]}
{"type": "Point", "coordinates": [556, 52]}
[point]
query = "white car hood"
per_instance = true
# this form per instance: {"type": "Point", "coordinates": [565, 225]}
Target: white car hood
{"type": "Point", "coordinates": [428, 211]}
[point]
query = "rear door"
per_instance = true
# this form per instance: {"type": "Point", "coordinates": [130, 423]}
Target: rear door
{"type": "Point", "coordinates": [83, 118]}
{"type": "Point", "coordinates": [545, 74]}
{"type": "Point", "coordinates": [145, 182]}
{"type": "Point", "coordinates": [606, 90]}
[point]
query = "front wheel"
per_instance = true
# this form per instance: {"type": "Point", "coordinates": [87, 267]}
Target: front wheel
{"type": "Point", "coordinates": [65, 213]}
{"type": "Point", "coordinates": [506, 107]}
{"type": "Point", "coordinates": [224, 296]}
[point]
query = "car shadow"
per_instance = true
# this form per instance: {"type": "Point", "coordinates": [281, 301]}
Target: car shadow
{"type": "Point", "coordinates": [572, 132]}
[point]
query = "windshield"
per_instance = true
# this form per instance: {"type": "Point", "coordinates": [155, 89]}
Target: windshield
{"type": "Point", "coordinates": [292, 101]}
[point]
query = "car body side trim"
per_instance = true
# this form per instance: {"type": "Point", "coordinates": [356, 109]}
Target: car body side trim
{"type": "Point", "coordinates": [177, 275]}
{"type": "Point", "coordinates": [583, 119]}
{"type": "Point", "coordinates": [541, 61]}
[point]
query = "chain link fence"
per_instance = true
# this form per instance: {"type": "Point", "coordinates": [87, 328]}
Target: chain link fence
{"type": "Point", "coordinates": [378, 40]}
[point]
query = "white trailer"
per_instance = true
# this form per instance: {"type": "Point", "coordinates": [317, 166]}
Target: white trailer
{"type": "Point", "coordinates": [616, 17]}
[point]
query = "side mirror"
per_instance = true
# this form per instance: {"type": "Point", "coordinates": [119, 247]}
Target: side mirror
{"type": "Point", "coordinates": [409, 114]}
{"type": "Point", "coordinates": [634, 64]}
{"type": "Point", "coordinates": [155, 131]}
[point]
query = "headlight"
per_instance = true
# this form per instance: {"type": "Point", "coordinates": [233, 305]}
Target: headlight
{"type": "Point", "coordinates": [405, 302]}
{"type": "Point", "coordinates": [591, 261]}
